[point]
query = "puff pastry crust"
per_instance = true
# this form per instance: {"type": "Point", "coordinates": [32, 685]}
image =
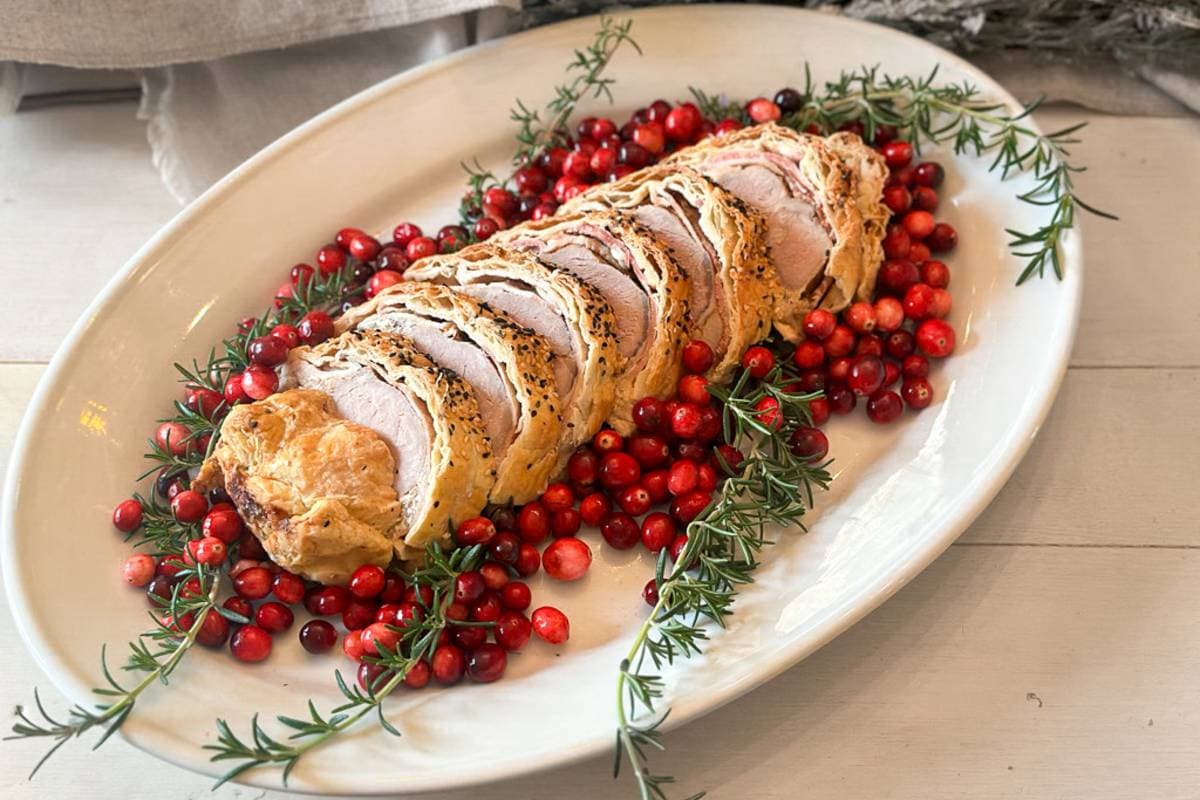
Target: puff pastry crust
{"type": "Point", "coordinates": [526, 463]}
{"type": "Point", "coordinates": [522, 283]}
{"type": "Point", "coordinates": [745, 287]}
{"type": "Point", "coordinates": [630, 248]}
{"type": "Point", "coordinates": [872, 174]}
{"type": "Point", "coordinates": [460, 467]}
{"type": "Point", "coordinates": [315, 488]}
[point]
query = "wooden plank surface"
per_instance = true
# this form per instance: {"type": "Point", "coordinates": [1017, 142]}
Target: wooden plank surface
{"type": "Point", "coordinates": [1051, 653]}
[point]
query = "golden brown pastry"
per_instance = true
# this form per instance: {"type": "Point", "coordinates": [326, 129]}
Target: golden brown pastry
{"type": "Point", "coordinates": [427, 415]}
{"type": "Point", "coordinates": [647, 290]}
{"type": "Point", "coordinates": [572, 316]}
{"type": "Point", "coordinates": [316, 489]}
{"type": "Point", "coordinates": [809, 199]}
{"type": "Point", "coordinates": [718, 240]}
{"type": "Point", "coordinates": [872, 175]}
{"type": "Point", "coordinates": [509, 367]}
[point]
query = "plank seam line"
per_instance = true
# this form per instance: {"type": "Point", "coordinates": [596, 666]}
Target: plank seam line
{"type": "Point", "coordinates": [1083, 546]}
{"type": "Point", "coordinates": [1132, 366]}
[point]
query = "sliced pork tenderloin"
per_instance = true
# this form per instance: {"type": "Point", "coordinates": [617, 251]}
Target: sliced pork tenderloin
{"type": "Point", "coordinates": [809, 199]}
{"type": "Point", "coordinates": [574, 319]}
{"type": "Point", "coordinates": [638, 276]}
{"type": "Point", "coordinates": [508, 365]}
{"type": "Point", "coordinates": [428, 416]}
{"type": "Point", "coordinates": [718, 240]}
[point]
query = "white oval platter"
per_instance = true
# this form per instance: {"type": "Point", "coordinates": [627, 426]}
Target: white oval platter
{"type": "Point", "coordinates": [902, 493]}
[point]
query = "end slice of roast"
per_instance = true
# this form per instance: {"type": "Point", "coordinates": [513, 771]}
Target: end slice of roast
{"type": "Point", "coordinates": [718, 240]}
{"type": "Point", "coordinates": [638, 276]}
{"type": "Point", "coordinates": [809, 199]}
{"type": "Point", "coordinates": [872, 174]}
{"type": "Point", "coordinates": [573, 318]}
{"type": "Point", "coordinates": [508, 365]}
{"type": "Point", "coordinates": [428, 416]}
{"type": "Point", "coordinates": [316, 489]}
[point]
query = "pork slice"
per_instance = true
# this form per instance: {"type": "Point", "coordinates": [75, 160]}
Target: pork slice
{"type": "Point", "coordinates": [533, 311]}
{"type": "Point", "coordinates": [448, 347]}
{"type": "Point", "coordinates": [799, 243]}
{"type": "Point", "coordinates": [587, 259]}
{"type": "Point", "coordinates": [362, 396]}
{"type": "Point", "coordinates": [674, 229]}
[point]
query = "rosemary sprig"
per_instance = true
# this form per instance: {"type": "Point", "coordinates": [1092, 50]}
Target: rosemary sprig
{"type": "Point", "coordinates": [772, 487]}
{"type": "Point", "coordinates": [156, 653]}
{"type": "Point", "coordinates": [418, 639]}
{"type": "Point", "coordinates": [535, 134]}
{"type": "Point", "coordinates": [924, 111]}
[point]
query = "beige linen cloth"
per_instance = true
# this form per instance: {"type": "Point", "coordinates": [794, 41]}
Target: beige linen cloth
{"type": "Point", "coordinates": [223, 78]}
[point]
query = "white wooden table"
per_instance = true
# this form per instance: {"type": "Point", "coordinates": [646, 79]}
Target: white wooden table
{"type": "Point", "coordinates": [1053, 652]}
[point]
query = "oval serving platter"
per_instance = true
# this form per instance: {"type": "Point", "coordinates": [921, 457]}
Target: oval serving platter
{"type": "Point", "coordinates": [901, 493]}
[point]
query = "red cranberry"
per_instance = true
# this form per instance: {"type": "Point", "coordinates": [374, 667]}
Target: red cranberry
{"type": "Point", "coordinates": [759, 361]}
{"type": "Point", "coordinates": [209, 551]}
{"type": "Point", "coordinates": [940, 303]}
{"type": "Point", "coordinates": [818, 409]}
{"type": "Point", "coordinates": [240, 607]}
{"type": "Point", "coordinates": [727, 125]}
{"type": "Point", "coordinates": [174, 438]}
{"type": "Point", "coordinates": [602, 129]}
{"type": "Point", "coordinates": [860, 317]}
{"type": "Point", "coordinates": [655, 484]}
{"type": "Point", "coordinates": [558, 497]}
{"type": "Point", "coordinates": [551, 161]}
{"type": "Point", "coordinates": [495, 576]}
{"type": "Point", "coordinates": [578, 165]}
{"type": "Point", "coordinates": [505, 547]}
{"type": "Point", "coordinates": [896, 242]}
{"type": "Point", "coordinates": [686, 508]}
{"type": "Point", "coordinates": [382, 280]}
{"type": "Point", "coordinates": [650, 592]}
{"type": "Point", "coordinates": [808, 444]}
{"type": "Point", "coordinates": [214, 630]}
{"type": "Point", "coordinates": [283, 294]}
{"type": "Point", "coordinates": [929, 173]}
{"type": "Point", "coordinates": [207, 402]}
{"type": "Point", "coordinates": [658, 531]}
{"type": "Point", "coordinates": [884, 406]}
{"type": "Point", "coordinates": [633, 154]}
{"type": "Point", "coordinates": [364, 247]}
{"type": "Point", "coordinates": [330, 259]}
{"type": "Point", "coordinates": [393, 588]}
{"type": "Point", "coordinates": [896, 276]}
{"type": "Point", "coordinates": [694, 389]}
{"type": "Point", "coordinates": [651, 137]}
{"type": "Point", "coordinates": [768, 413]}
{"type": "Point", "coordinates": [649, 450]}
{"type": "Point", "coordinates": [188, 506]}
{"type": "Point", "coordinates": [448, 665]}
{"type": "Point", "coordinates": [685, 421]}
{"type": "Point", "coordinates": [250, 643]}
{"type": "Point", "coordinates": [392, 259]}
{"type": "Point", "coordinates": [315, 327]}
{"type": "Point", "coordinates": [594, 508]}
{"type": "Point", "coordinates": [530, 180]}
{"type": "Point", "coordinates": [618, 470]}
{"type": "Point", "coordinates": [897, 154]}
{"type": "Point", "coordinates": [819, 324]}
{"type": "Point", "coordinates": [253, 583]}
{"type": "Point", "coordinates": [634, 500]}
{"type": "Point", "coordinates": [318, 636]}
{"type": "Point", "coordinates": [567, 559]}
{"type": "Point", "coordinates": [924, 198]}
{"type": "Point", "coordinates": [808, 354]}
{"type": "Point", "coordinates": [417, 676]}
{"type": "Point", "coordinates": [127, 516]}
{"type": "Point", "coordinates": [551, 625]}
{"type": "Point", "coordinates": [513, 630]}
{"type": "Point", "coordinates": [917, 393]}
{"type": "Point", "coordinates": [273, 617]}
{"type": "Point", "coordinates": [367, 581]}
{"type": "Point", "coordinates": [566, 522]}
{"type": "Point", "coordinates": [259, 383]}
{"type": "Point", "coordinates": [914, 366]}
{"type": "Point", "coordinates": [935, 274]}
{"type": "Point", "coordinates": [301, 274]}
{"type": "Point", "coordinates": [288, 588]}
{"type": "Point", "coordinates": [138, 569]}
{"type": "Point", "coordinates": [682, 477]}
{"type": "Point", "coordinates": [528, 562]}
{"type": "Point", "coordinates": [918, 301]}
{"type": "Point", "coordinates": [897, 199]}
{"type": "Point", "coordinates": [233, 390]}
{"type": "Point", "coordinates": [942, 238]}
{"type": "Point", "coordinates": [918, 224]}
{"type": "Point", "coordinates": [683, 123]}
{"type": "Point", "coordinates": [533, 523]}
{"type": "Point", "coordinates": [515, 596]}
{"type": "Point", "coordinates": [543, 210]}
{"type": "Point", "coordinates": [487, 662]}
{"type": "Point", "coordinates": [608, 441]}
{"type": "Point", "coordinates": [330, 601]}
{"type": "Point", "coordinates": [359, 613]}
{"type": "Point", "coordinates": [379, 637]}
{"type": "Point", "coordinates": [583, 467]}
{"type": "Point", "coordinates": [649, 415]}
{"type": "Point", "coordinates": [352, 645]}
{"type": "Point", "coordinates": [840, 342]}
{"type": "Point", "coordinates": [760, 109]}
{"type": "Point", "coordinates": [899, 344]}
{"type": "Point", "coordinates": [344, 236]}
{"type": "Point", "coordinates": [697, 357]}
{"type": "Point", "coordinates": [866, 375]}
{"type": "Point", "coordinates": [706, 478]}
{"type": "Point", "coordinates": [476, 530]}
{"type": "Point", "coordinates": [468, 587]}
{"type": "Point", "coordinates": [420, 247]}
{"type": "Point", "coordinates": [841, 399]}
{"type": "Point", "coordinates": [468, 637]}
{"type": "Point", "coordinates": [935, 338]}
